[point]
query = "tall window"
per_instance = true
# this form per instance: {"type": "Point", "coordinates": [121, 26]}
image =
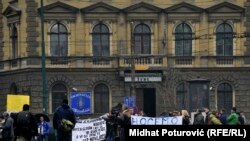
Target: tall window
{"type": "Point", "coordinates": [183, 40]}
{"type": "Point", "coordinates": [101, 98]}
{"type": "Point", "coordinates": [142, 39]}
{"type": "Point", "coordinates": [59, 92]}
{"type": "Point", "coordinates": [58, 40]}
{"type": "Point", "coordinates": [14, 42]}
{"type": "Point", "coordinates": [224, 40]}
{"type": "Point", "coordinates": [181, 94]}
{"type": "Point", "coordinates": [100, 40]}
{"type": "Point", "coordinates": [224, 97]}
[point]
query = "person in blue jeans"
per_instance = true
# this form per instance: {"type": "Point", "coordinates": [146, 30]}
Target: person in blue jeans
{"type": "Point", "coordinates": [43, 129]}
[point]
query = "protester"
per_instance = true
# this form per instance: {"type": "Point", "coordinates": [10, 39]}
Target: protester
{"type": "Point", "coordinates": [233, 117]}
{"type": "Point", "coordinates": [185, 117]}
{"type": "Point", "coordinates": [26, 125]}
{"type": "Point", "coordinates": [207, 118]}
{"type": "Point", "coordinates": [1, 125]}
{"type": "Point", "coordinates": [214, 117]}
{"type": "Point", "coordinates": [64, 113]}
{"type": "Point", "coordinates": [141, 113]}
{"type": "Point", "coordinates": [43, 129]}
{"type": "Point", "coordinates": [199, 118]}
{"type": "Point", "coordinates": [223, 117]}
{"type": "Point", "coordinates": [8, 131]}
{"type": "Point", "coordinates": [164, 114]}
{"type": "Point", "coordinates": [243, 116]}
{"type": "Point", "coordinates": [125, 120]}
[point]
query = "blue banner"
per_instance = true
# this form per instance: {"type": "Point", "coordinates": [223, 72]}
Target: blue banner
{"type": "Point", "coordinates": [81, 102]}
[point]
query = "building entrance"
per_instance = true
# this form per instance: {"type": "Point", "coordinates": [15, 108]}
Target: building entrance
{"type": "Point", "coordinates": [145, 99]}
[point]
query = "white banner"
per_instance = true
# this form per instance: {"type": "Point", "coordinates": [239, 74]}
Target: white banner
{"type": "Point", "coordinates": [139, 120]}
{"type": "Point", "coordinates": [89, 130]}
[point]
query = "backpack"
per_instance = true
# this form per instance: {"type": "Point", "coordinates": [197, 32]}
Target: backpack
{"type": "Point", "coordinates": [23, 119]}
{"type": "Point", "coordinates": [66, 125]}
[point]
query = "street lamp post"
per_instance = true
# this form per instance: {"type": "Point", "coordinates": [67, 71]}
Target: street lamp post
{"type": "Point", "coordinates": [132, 93]}
{"type": "Point", "coordinates": [43, 59]}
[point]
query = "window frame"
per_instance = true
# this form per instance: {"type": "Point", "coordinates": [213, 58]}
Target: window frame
{"type": "Point", "coordinates": [183, 37]}
{"type": "Point", "coordinates": [58, 35]}
{"type": "Point", "coordinates": [103, 46]}
{"type": "Point", "coordinates": [14, 42]}
{"type": "Point", "coordinates": [224, 37]}
{"type": "Point", "coordinates": [103, 94]}
{"type": "Point", "coordinates": [143, 37]}
{"type": "Point", "coordinates": [221, 89]}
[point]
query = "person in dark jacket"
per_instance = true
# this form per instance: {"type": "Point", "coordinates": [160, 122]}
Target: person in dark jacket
{"type": "Point", "coordinates": [63, 112]}
{"type": "Point", "coordinates": [198, 118]}
{"type": "Point", "coordinates": [207, 118]}
{"type": "Point", "coordinates": [8, 131]}
{"type": "Point", "coordinates": [241, 119]}
{"type": "Point", "coordinates": [26, 125]}
{"type": "Point", "coordinates": [223, 117]}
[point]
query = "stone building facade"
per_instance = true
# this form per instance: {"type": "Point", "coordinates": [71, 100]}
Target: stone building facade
{"type": "Point", "coordinates": [187, 55]}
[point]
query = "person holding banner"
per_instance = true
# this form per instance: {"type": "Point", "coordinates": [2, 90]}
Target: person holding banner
{"type": "Point", "coordinates": [185, 117]}
{"type": "Point", "coordinates": [125, 120]}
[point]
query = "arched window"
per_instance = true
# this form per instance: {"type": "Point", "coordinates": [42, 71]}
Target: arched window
{"type": "Point", "coordinates": [14, 42]}
{"type": "Point", "coordinates": [224, 97]}
{"type": "Point", "coordinates": [101, 98]}
{"type": "Point", "coordinates": [59, 92]}
{"type": "Point", "coordinates": [181, 94]}
{"type": "Point", "coordinates": [183, 40]}
{"type": "Point", "coordinates": [224, 40]}
{"type": "Point", "coordinates": [13, 88]}
{"type": "Point", "coordinates": [58, 40]}
{"type": "Point", "coordinates": [142, 39]}
{"type": "Point", "coordinates": [100, 40]}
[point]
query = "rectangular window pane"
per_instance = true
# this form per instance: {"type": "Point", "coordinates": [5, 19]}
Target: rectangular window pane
{"type": "Point", "coordinates": [63, 45]}
{"type": "Point", "coordinates": [137, 44]}
{"type": "Point", "coordinates": [219, 45]}
{"type": "Point", "coordinates": [96, 45]}
{"type": "Point", "coordinates": [178, 48]}
{"type": "Point", "coordinates": [14, 48]}
{"type": "Point", "coordinates": [219, 50]}
{"type": "Point", "coordinates": [146, 44]}
{"type": "Point", "coordinates": [187, 51]}
{"type": "Point", "coordinates": [54, 45]}
{"type": "Point", "coordinates": [105, 45]}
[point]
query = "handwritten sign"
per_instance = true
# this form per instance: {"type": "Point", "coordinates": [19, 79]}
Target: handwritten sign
{"type": "Point", "coordinates": [89, 130]}
{"type": "Point", "coordinates": [139, 120]}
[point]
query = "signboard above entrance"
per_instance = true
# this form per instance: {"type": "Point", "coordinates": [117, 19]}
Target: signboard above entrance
{"type": "Point", "coordinates": [141, 67]}
{"type": "Point", "coordinates": [144, 77]}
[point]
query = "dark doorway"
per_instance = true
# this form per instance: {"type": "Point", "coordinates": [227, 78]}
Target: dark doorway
{"type": "Point", "coordinates": [145, 99]}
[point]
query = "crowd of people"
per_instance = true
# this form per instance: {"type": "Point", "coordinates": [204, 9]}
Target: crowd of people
{"type": "Point", "coordinates": [116, 121]}
{"type": "Point", "coordinates": [23, 126]}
